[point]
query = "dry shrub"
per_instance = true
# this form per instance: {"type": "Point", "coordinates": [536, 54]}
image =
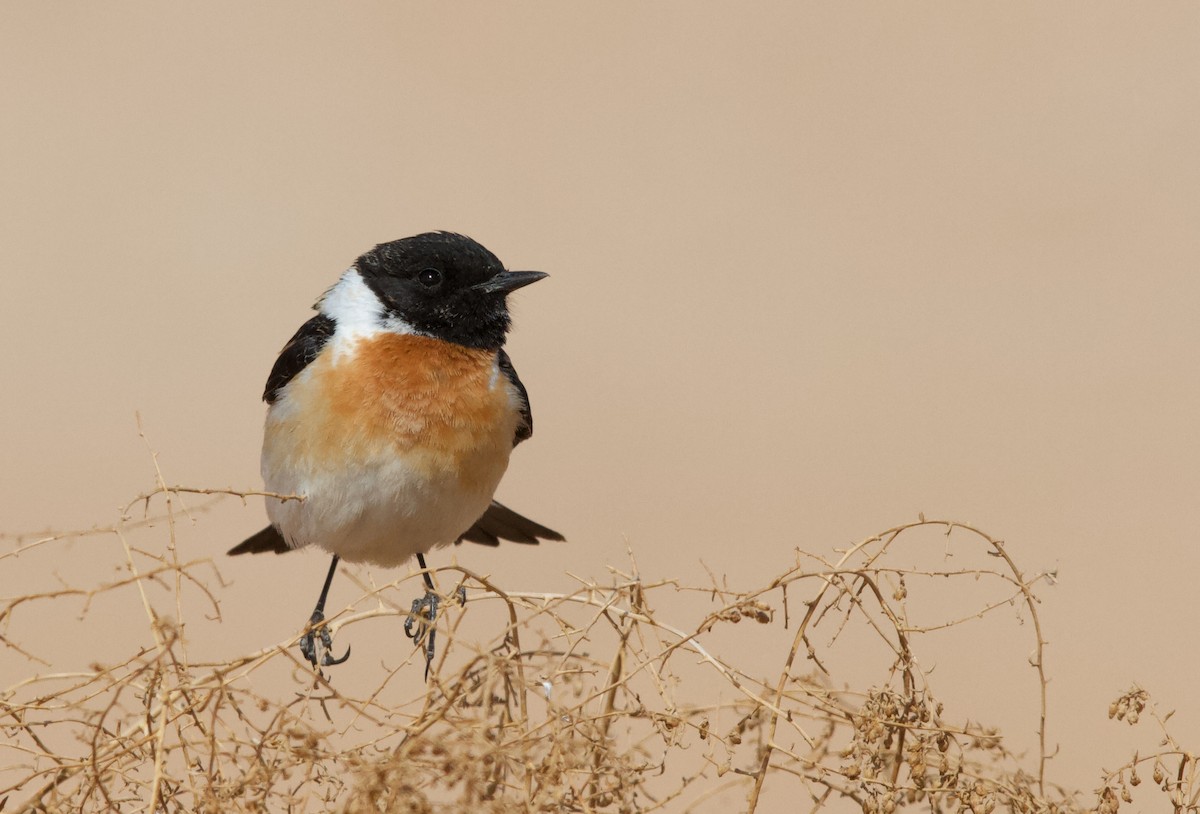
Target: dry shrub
{"type": "Point", "coordinates": [608, 698]}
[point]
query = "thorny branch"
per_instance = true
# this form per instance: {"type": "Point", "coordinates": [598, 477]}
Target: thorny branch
{"type": "Point", "coordinates": [577, 700]}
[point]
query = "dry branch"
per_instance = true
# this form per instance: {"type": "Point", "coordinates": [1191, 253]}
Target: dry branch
{"type": "Point", "coordinates": [581, 700]}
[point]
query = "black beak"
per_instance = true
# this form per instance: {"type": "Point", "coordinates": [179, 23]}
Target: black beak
{"type": "Point", "coordinates": [508, 281]}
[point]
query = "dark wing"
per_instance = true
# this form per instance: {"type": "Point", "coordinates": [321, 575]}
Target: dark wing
{"type": "Point", "coordinates": [295, 356]}
{"type": "Point", "coordinates": [501, 523]}
{"type": "Point", "coordinates": [297, 353]}
{"type": "Point", "coordinates": [525, 428]}
{"type": "Point", "coordinates": [269, 539]}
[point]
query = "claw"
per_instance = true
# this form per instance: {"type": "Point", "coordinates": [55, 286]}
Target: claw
{"type": "Point", "coordinates": [419, 625]}
{"type": "Point", "coordinates": [318, 649]}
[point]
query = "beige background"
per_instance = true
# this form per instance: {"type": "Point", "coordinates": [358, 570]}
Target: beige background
{"type": "Point", "coordinates": [815, 268]}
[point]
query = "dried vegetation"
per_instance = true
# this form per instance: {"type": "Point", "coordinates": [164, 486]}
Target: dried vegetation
{"type": "Point", "coordinates": [610, 697]}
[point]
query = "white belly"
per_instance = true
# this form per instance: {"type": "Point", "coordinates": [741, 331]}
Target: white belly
{"type": "Point", "coordinates": [383, 512]}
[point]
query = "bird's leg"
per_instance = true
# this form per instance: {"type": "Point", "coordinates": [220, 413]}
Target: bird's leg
{"type": "Point", "coordinates": [318, 648]}
{"type": "Point", "coordinates": [419, 624]}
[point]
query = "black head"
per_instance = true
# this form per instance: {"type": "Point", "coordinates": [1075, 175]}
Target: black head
{"type": "Point", "coordinates": [444, 285]}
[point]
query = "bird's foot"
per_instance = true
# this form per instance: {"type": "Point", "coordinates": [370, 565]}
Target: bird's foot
{"type": "Point", "coordinates": [419, 625]}
{"type": "Point", "coordinates": [317, 644]}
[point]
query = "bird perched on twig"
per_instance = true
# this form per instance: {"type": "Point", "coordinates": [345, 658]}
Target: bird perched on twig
{"type": "Point", "coordinates": [392, 414]}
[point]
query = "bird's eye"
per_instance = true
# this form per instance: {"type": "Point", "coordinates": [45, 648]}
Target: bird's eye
{"type": "Point", "coordinates": [429, 277]}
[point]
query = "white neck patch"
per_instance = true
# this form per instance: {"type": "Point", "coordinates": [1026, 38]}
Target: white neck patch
{"type": "Point", "coordinates": [356, 309]}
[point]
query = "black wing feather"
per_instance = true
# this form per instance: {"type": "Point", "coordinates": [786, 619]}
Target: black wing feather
{"type": "Point", "coordinates": [269, 539]}
{"type": "Point", "coordinates": [525, 428]}
{"type": "Point", "coordinates": [297, 353]}
{"type": "Point", "coordinates": [501, 523]}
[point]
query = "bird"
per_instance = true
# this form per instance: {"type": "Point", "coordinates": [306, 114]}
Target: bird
{"type": "Point", "coordinates": [391, 416]}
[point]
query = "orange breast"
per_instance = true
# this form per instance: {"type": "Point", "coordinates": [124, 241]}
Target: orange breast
{"type": "Point", "coordinates": [444, 408]}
